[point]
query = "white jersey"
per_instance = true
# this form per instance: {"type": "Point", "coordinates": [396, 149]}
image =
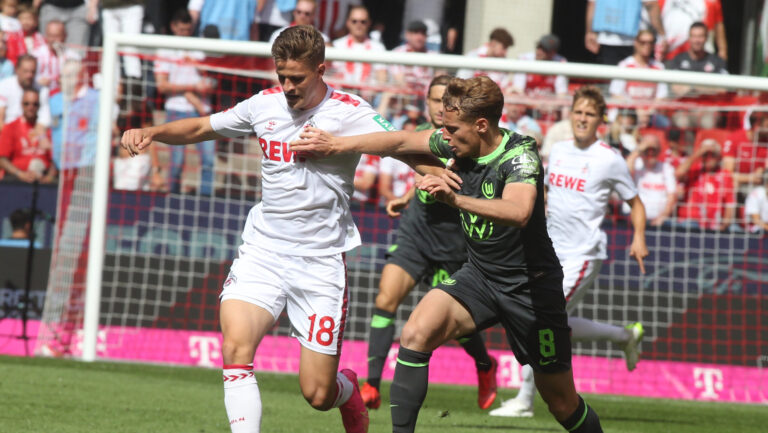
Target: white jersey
{"type": "Point", "coordinates": [654, 186]}
{"type": "Point", "coordinates": [358, 72]}
{"type": "Point", "coordinates": [10, 98]}
{"type": "Point", "coordinates": [401, 173]}
{"type": "Point", "coordinates": [181, 68]}
{"type": "Point", "coordinates": [580, 182]}
{"type": "Point", "coordinates": [304, 210]}
{"type": "Point", "coordinates": [757, 204]}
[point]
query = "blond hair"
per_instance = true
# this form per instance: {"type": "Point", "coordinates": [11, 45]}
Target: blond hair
{"type": "Point", "coordinates": [474, 98]}
{"type": "Point", "coordinates": [300, 43]}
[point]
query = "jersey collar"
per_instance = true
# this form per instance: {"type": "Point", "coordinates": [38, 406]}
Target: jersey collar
{"type": "Point", "coordinates": [496, 152]}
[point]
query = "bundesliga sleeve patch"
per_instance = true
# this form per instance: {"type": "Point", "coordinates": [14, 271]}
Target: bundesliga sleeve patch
{"type": "Point", "coordinates": [383, 122]}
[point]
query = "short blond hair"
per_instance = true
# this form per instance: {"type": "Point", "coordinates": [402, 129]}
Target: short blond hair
{"type": "Point", "coordinates": [474, 98]}
{"type": "Point", "coordinates": [300, 43]}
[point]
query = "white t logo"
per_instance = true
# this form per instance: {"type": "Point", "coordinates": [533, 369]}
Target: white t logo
{"type": "Point", "coordinates": [510, 374]}
{"type": "Point", "coordinates": [711, 379]}
{"type": "Point", "coordinates": [205, 349]}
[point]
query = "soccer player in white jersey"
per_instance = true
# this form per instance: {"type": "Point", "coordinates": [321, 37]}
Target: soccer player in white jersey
{"type": "Point", "coordinates": [292, 255]}
{"type": "Point", "coordinates": [580, 177]}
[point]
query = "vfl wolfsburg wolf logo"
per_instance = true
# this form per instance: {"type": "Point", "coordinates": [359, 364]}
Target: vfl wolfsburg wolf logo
{"type": "Point", "coordinates": [487, 188]}
{"type": "Point", "coordinates": [476, 228]}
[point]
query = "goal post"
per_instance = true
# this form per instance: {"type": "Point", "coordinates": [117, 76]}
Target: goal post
{"type": "Point", "coordinates": [185, 240]}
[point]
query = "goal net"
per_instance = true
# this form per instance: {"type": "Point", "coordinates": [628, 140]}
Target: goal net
{"type": "Point", "coordinates": [143, 245]}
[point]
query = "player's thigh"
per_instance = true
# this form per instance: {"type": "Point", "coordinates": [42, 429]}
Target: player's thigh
{"type": "Point", "coordinates": [579, 275]}
{"type": "Point", "coordinates": [534, 318]}
{"type": "Point", "coordinates": [317, 301]}
{"type": "Point", "coordinates": [437, 318]}
{"type": "Point", "coordinates": [394, 285]}
{"type": "Point", "coordinates": [243, 326]}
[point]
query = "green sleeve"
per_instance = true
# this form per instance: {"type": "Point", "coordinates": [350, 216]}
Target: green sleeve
{"type": "Point", "coordinates": [521, 164]}
{"type": "Point", "coordinates": [438, 146]}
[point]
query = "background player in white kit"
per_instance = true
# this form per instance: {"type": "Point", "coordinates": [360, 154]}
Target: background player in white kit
{"type": "Point", "coordinates": [294, 240]}
{"type": "Point", "coordinates": [580, 177]}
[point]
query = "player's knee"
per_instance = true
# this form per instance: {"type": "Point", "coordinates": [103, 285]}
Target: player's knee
{"type": "Point", "coordinates": [385, 301]}
{"type": "Point", "coordinates": [560, 405]}
{"type": "Point", "coordinates": [416, 337]}
{"type": "Point", "coordinates": [319, 398]}
{"type": "Point", "coordinates": [234, 352]}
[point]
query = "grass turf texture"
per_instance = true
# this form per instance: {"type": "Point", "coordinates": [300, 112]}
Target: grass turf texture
{"type": "Point", "coordinates": [52, 395]}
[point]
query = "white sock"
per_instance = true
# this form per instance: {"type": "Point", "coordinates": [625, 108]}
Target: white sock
{"type": "Point", "coordinates": [585, 329]}
{"type": "Point", "coordinates": [528, 388]}
{"type": "Point", "coordinates": [242, 398]}
{"type": "Point", "coordinates": [344, 389]}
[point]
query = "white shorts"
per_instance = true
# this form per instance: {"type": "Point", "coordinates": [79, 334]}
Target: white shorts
{"type": "Point", "coordinates": [312, 289]}
{"type": "Point", "coordinates": [579, 275]}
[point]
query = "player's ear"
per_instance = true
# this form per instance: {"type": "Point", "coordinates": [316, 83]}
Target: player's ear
{"type": "Point", "coordinates": [481, 125]}
{"type": "Point", "coordinates": [321, 69]}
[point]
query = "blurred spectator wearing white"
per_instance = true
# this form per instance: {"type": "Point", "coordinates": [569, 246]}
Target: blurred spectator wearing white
{"type": "Point", "coordinates": [358, 24]}
{"type": "Point", "coordinates": [710, 200]}
{"type": "Point", "coordinates": [641, 59]}
{"type": "Point", "coordinates": [417, 77]}
{"type": "Point", "coordinates": [6, 66]}
{"type": "Point", "coordinates": [271, 16]}
{"type": "Point", "coordinates": [29, 39]}
{"type": "Point", "coordinates": [51, 56]}
{"type": "Point", "coordinates": [25, 151]}
{"type": "Point", "coordinates": [9, 24]}
{"type": "Point", "coordinates": [613, 24]}
{"type": "Point", "coordinates": [677, 17]}
{"type": "Point", "coordinates": [236, 19]}
{"type": "Point", "coordinates": [498, 43]}
{"type": "Point", "coordinates": [187, 95]}
{"type": "Point", "coordinates": [655, 180]}
{"type": "Point", "coordinates": [429, 12]}
{"type": "Point", "coordinates": [330, 16]}
{"type": "Point", "coordinates": [516, 119]}
{"type": "Point", "coordinates": [756, 207]}
{"type": "Point", "coordinates": [122, 16]}
{"type": "Point", "coordinates": [623, 132]}
{"type": "Point", "coordinates": [12, 90]}
{"type": "Point", "coordinates": [546, 50]}
{"type": "Point", "coordinates": [395, 179]}
{"type": "Point", "coordinates": [75, 15]}
{"type": "Point", "coordinates": [366, 173]}
{"type": "Point", "coordinates": [303, 15]}
{"type": "Point", "coordinates": [745, 152]}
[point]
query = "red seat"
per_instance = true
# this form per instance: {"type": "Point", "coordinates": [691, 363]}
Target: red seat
{"type": "Point", "coordinates": [719, 135]}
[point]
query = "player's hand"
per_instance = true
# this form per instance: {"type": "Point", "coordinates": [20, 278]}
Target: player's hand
{"type": "Point", "coordinates": [658, 221]}
{"type": "Point", "coordinates": [639, 251]}
{"type": "Point", "coordinates": [590, 42]}
{"type": "Point", "coordinates": [438, 187]}
{"type": "Point", "coordinates": [27, 176]}
{"type": "Point", "coordinates": [314, 142]}
{"type": "Point", "coordinates": [136, 140]}
{"type": "Point", "coordinates": [395, 206]}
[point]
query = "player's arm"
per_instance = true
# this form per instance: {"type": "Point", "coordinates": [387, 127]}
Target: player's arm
{"type": "Point", "coordinates": [392, 143]}
{"type": "Point", "coordinates": [721, 41]}
{"type": "Point", "coordinates": [396, 205]}
{"type": "Point", "coordinates": [638, 249]}
{"type": "Point", "coordinates": [183, 131]}
{"type": "Point", "coordinates": [514, 208]}
{"type": "Point", "coordinates": [654, 13]}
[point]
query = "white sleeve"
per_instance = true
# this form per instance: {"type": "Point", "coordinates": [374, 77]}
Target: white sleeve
{"type": "Point", "coordinates": [752, 204]}
{"type": "Point", "coordinates": [236, 121]}
{"type": "Point", "coordinates": [162, 66]}
{"type": "Point", "coordinates": [662, 91]}
{"type": "Point", "coordinates": [617, 87]}
{"type": "Point", "coordinates": [518, 81]}
{"type": "Point", "coordinates": [387, 166]}
{"type": "Point", "coordinates": [44, 114]}
{"type": "Point", "coordinates": [669, 178]}
{"type": "Point", "coordinates": [195, 5]}
{"type": "Point", "coordinates": [561, 85]}
{"type": "Point", "coordinates": [622, 182]}
{"type": "Point", "coordinates": [364, 120]}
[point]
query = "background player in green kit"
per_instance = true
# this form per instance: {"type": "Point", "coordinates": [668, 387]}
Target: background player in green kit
{"type": "Point", "coordinates": [429, 245]}
{"type": "Point", "coordinates": [512, 275]}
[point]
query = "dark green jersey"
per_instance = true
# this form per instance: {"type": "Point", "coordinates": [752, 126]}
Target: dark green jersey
{"type": "Point", "coordinates": [433, 225]}
{"type": "Point", "coordinates": [505, 254]}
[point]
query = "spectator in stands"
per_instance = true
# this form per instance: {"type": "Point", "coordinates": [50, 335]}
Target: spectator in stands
{"type": "Point", "coordinates": [124, 16]}
{"type": "Point", "coordinates": [696, 59]}
{"type": "Point", "coordinates": [366, 174]}
{"type": "Point", "coordinates": [12, 89]}
{"type": "Point", "coordinates": [745, 152]}
{"type": "Point", "coordinates": [76, 16]}
{"type": "Point", "coordinates": [358, 24]}
{"type": "Point", "coordinates": [187, 95]}
{"type": "Point", "coordinates": [330, 16]}
{"type": "Point", "coordinates": [271, 16]}
{"type": "Point", "coordinates": [29, 38]}
{"type": "Point", "coordinates": [395, 179]}
{"type": "Point", "coordinates": [415, 77]}
{"type": "Point", "coordinates": [623, 132]}
{"type": "Point", "coordinates": [655, 180]}
{"type": "Point", "coordinates": [677, 16]}
{"type": "Point", "coordinates": [756, 207]}
{"type": "Point", "coordinates": [50, 56]}
{"type": "Point", "coordinates": [515, 118]}
{"type": "Point", "coordinates": [6, 66]}
{"type": "Point", "coordinates": [21, 226]}
{"type": "Point", "coordinates": [612, 26]}
{"type": "Point", "coordinates": [641, 59]}
{"type": "Point", "coordinates": [25, 154]}
{"type": "Point", "coordinates": [546, 50]}
{"type": "Point", "coordinates": [498, 43]}
{"type": "Point", "coordinates": [710, 200]}
{"type": "Point", "coordinates": [143, 171]}
{"type": "Point", "coordinates": [431, 14]}
{"type": "Point", "coordinates": [9, 24]}
{"type": "Point", "coordinates": [304, 14]}
{"type": "Point", "coordinates": [412, 114]}
{"type": "Point", "coordinates": [235, 19]}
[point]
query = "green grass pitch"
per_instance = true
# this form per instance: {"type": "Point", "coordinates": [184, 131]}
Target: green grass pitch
{"type": "Point", "coordinates": [51, 395]}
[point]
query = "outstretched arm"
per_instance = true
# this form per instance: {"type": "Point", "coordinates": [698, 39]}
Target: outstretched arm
{"type": "Point", "coordinates": [184, 131]}
{"type": "Point", "coordinates": [321, 144]}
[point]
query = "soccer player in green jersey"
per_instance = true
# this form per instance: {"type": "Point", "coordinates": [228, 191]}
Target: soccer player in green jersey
{"type": "Point", "coordinates": [512, 275]}
{"type": "Point", "coordinates": [429, 246]}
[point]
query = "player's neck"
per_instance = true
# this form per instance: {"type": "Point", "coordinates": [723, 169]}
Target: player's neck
{"type": "Point", "coordinates": [583, 144]}
{"type": "Point", "coordinates": [318, 98]}
{"type": "Point", "coordinates": [697, 55]}
{"type": "Point", "coordinates": [490, 142]}
{"type": "Point", "coordinates": [642, 60]}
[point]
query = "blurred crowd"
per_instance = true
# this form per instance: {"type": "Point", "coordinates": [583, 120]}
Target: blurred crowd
{"type": "Point", "coordinates": [698, 155]}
